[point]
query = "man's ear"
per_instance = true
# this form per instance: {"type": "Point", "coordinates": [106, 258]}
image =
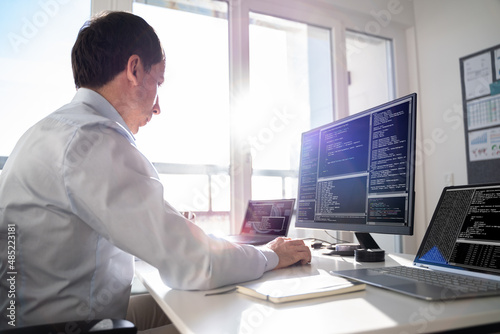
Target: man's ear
{"type": "Point", "coordinates": [134, 69]}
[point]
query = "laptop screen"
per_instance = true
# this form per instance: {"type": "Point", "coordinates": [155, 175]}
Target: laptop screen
{"type": "Point", "coordinates": [465, 230]}
{"type": "Point", "coordinates": [270, 217]}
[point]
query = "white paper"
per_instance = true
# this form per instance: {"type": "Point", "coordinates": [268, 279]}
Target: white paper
{"type": "Point", "coordinates": [477, 75]}
{"type": "Point", "coordinates": [483, 112]}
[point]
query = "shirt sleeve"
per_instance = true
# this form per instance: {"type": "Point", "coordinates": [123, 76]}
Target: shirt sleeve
{"type": "Point", "coordinates": [271, 256]}
{"type": "Point", "coordinates": [113, 188]}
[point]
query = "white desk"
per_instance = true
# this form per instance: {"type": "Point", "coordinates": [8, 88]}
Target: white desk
{"type": "Point", "coordinates": [374, 310]}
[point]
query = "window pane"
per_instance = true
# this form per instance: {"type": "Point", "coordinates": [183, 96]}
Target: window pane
{"type": "Point", "coordinates": [291, 187]}
{"type": "Point", "coordinates": [36, 38]}
{"type": "Point", "coordinates": [194, 196]}
{"type": "Point", "coordinates": [369, 62]}
{"type": "Point", "coordinates": [194, 125]}
{"type": "Point", "coordinates": [267, 187]}
{"type": "Point", "coordinates": [290, 92]}
{"type": "Point", "coordinates": [220, 190]}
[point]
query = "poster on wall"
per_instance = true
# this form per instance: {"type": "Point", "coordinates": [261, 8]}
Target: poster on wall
{"type": "Point", "coordinates": [480, 74]}
{"type": "Point", "coordinates": [484, 144]}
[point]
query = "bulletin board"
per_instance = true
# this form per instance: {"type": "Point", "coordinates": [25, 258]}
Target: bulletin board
{"type": "Point", "coordinates": [480, 74]}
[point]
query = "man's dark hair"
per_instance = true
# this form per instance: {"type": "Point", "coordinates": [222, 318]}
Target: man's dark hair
{"type": "Point", "coordinates": [105, 43]}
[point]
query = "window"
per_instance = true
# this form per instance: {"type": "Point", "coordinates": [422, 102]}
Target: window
{"type": "Point", "coordinates": [36, 38]}
{"type": "Point", "coordinates": [370, 66]}
{"type": "Point", "coordinates": [290, 92]}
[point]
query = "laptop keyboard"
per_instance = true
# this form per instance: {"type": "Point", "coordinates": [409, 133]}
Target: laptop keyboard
{"type": "Point", "coordinates": [442, 279]}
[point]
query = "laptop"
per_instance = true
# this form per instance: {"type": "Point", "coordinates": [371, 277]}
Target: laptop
{"type": "Point", "coordinates": [461, 244]}
{"type": "Point", "coordinates": [264, 221]}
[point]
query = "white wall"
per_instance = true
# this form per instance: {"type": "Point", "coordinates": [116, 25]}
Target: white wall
{"type": "Point", "coordinates": [445, 31]}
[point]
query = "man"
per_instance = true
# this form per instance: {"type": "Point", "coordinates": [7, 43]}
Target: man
{"type": "Point", "coordinates": [80, 200]}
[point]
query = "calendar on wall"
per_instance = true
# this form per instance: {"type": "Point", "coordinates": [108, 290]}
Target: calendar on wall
{"type": "Point", "coordinates": [480, 73]}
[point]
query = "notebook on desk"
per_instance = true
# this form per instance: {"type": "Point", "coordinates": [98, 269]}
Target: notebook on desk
{"type": "Point", "coordinates": [461, 245]}
{"type": "Point", "coordinates": [264, 221]}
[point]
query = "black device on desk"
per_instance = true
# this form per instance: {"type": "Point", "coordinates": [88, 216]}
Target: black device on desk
{"type": "Point", "coordinates": [358, 174]}
{"type": "Point", "coordinates": [343, 250]}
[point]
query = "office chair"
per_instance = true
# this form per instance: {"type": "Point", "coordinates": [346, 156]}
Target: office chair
{"type": "Point", "coordinates": [103, 326]}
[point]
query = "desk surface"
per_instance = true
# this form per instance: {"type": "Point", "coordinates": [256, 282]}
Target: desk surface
{"type": "Point", "coordinates": [374, 310]}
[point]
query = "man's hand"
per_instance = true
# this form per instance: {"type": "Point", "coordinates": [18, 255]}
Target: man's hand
{"type": "Point", "coordinates": [290, 251]}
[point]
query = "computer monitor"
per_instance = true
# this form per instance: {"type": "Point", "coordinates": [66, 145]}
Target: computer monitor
{"type": "Point", "coordinates": [358, 173]}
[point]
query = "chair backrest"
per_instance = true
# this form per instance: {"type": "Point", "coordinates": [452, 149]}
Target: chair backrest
{"type": "Point", "coordinates": [102, 326]}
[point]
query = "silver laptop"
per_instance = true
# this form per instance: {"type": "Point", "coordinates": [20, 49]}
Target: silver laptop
{"type": "Point", "coordinates": [461, 246]}
{"type": "Point", "coordinates": [264, 221]}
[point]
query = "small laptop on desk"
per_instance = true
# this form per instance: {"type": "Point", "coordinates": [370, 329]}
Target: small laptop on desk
{"type": "Point", "coordinates": [461, 248]}
{"type": "Point", "coordinates": [264, 221]}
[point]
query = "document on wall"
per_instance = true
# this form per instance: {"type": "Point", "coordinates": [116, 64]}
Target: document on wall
{"type": "Point", "coordinates": [483, 112]}
{"type": "Point", "coordinates": [478, 75]}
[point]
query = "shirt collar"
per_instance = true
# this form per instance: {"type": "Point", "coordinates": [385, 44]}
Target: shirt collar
{"type": "Point", "coordinates": [97, 102]}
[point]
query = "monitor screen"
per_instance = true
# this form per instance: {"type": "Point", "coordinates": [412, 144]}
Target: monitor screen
{"type": "Point", "coordinates": [268, 217]}
{"type": "Point", "coordinates": [357, 173]}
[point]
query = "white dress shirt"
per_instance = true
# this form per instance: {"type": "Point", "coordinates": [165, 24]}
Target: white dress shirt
{"type": "Point", "coordinates": [83, 201]}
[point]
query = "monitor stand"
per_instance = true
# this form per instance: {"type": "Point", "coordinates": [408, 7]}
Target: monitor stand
{"type": "Point", "coordinates": [370, 250]}
{"type": "Point", "coordinates": [367, 251]}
